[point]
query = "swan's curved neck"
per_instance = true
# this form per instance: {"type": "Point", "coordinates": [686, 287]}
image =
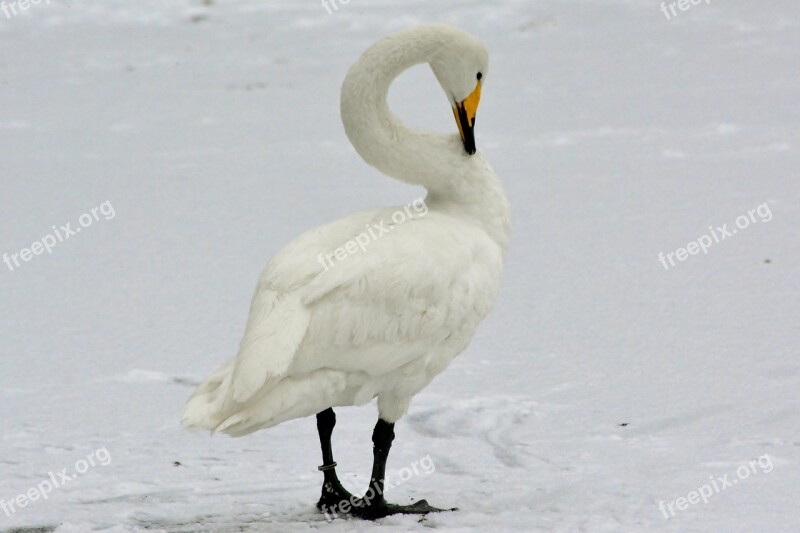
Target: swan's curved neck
{"type": "Point", "coordinates": [456, 182]}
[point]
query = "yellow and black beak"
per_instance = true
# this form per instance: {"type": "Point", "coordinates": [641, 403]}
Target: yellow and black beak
{"type": "Point", "coordinates": [465, 118]}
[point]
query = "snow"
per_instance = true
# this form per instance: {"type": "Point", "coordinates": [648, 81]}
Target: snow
{"type": "Point", "coordinates": [602, 383]}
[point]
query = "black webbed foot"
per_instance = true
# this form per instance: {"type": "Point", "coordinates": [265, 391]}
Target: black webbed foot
{"type": "Point", "coordinates": [381, 509]}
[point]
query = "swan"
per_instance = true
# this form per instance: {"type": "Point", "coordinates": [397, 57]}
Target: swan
{"type": "Point", "coordinates": [328, 329]}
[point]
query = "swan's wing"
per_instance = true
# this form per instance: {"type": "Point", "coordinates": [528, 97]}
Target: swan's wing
{"type": "Point", "coordinates": [279, 317]}
{"type": "Point", "coordinates": [274, 331]}
{"type": "Point", "coordinates": [423, 282]}
{"type": "Point", "coordinates": [389, 302]}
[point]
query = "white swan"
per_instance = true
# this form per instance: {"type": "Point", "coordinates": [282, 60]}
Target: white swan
{"type": "Point", "coordinates": [382, 321]}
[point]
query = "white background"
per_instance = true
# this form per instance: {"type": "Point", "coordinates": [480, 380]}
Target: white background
{"type": "Point", "coordinates": [214, 132]}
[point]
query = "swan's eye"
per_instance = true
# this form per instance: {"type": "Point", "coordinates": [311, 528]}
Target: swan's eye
{"type": "Point", "coordinates": [480, 75]}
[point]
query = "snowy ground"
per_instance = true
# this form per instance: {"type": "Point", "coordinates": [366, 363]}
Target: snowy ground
{"type": "Point", "coordinates": [601, 385]}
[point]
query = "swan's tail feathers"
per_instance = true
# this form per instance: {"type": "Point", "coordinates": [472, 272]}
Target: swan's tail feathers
{"type": "Point", "coordinates": [206, 407]}
{"type": "Point", "coordinates": [275, 329]}
{"type": "Point", "coordinates": [211, 408]}
{"type": "Point", "coordinates": [292, 398]}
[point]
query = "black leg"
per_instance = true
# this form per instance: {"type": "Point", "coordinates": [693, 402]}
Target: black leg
{"type": "Point", "coordinates": [373, 505]}
{"type": "Point", "coordinates": [382, 438]}
{"type": "Point", "coordinates": [333, 493]}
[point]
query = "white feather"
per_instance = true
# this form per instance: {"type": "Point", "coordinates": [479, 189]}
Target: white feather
{"type": "Point", "coordinates": [384, 320]}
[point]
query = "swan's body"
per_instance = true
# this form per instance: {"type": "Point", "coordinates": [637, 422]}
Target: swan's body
{"type": "Point", "coordinates": [384, 321]}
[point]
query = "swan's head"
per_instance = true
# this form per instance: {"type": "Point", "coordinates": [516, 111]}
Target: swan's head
{"type": "Point", "coordinates": [461, 66]}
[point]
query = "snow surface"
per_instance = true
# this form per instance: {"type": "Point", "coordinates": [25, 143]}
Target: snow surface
{"type": "Point", "coordinates": [601, 385]}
